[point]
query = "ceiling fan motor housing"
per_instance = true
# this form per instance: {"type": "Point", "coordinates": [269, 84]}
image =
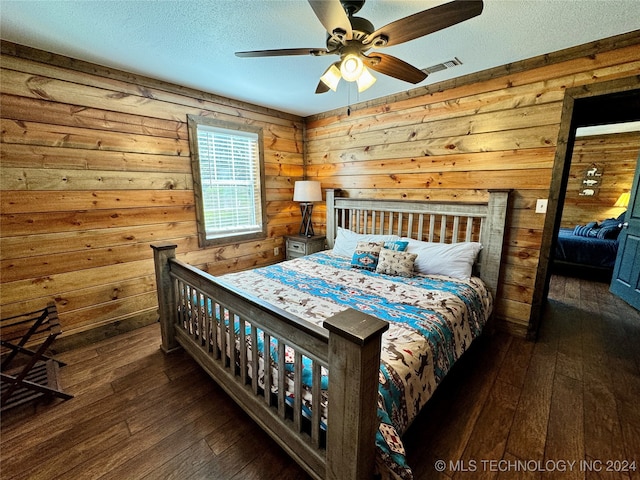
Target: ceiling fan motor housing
{"type": "Point", "coordinates": [352, 6]}
{"type": "Point", "coordinates": [361, 28]}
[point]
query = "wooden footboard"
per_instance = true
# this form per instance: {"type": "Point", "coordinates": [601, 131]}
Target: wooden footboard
{"type": "Point", "coordinates": [221, 329]}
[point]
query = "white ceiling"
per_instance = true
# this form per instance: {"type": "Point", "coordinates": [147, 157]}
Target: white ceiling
{"type": "Point", "coordinates": [192, 42]}
{"type": "Point", "coordinates": [608, 129]}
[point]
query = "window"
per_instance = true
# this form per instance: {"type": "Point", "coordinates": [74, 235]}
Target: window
{"type": "Point", "coordinates": [228, 174]}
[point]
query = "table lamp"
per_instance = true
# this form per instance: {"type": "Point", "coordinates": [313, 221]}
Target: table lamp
{"type": "Point", "coordinates": [306, 192]}
{"type": "Point", "coordinates": [623, 200]}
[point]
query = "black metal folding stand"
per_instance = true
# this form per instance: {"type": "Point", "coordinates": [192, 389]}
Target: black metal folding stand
{"type": "Point", "coordinates": [29, 335]}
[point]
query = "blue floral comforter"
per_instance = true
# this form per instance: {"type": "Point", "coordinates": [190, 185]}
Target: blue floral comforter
{"type": "Point", "coordinates": [432, 319]}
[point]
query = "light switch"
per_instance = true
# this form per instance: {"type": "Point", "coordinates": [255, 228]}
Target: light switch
{"type": "Point", "coordinates": [541, 205]}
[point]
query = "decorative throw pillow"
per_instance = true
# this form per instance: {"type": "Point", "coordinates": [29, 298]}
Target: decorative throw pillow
{"type": "Point", "coordinates": [609, 229]}
{"type": "Point", "coordinates": [392, 262]}
{"type": "Point", "coordinates": [398, 246]}
{"type": "Point", "coordinates": [588, 230]}
{"type": "Point", "coordinates": [452, 259]}
{"type": "Point", "coordinates": [346, 240]}
{"type": "Point", "coordinates": [366, 255]}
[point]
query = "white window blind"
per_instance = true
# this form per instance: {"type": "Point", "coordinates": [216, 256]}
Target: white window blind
{"type": "Point", "coordinates": [230, 176]}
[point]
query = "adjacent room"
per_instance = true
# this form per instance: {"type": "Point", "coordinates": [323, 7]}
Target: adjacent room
{"type": "Point", "coordinates": [328, 239]}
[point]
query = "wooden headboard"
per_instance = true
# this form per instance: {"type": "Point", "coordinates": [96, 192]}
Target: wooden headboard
{"type": "Point", "coordinates": [443, 222]}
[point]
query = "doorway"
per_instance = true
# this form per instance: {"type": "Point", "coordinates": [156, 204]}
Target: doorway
{"type": "Point", "coordinates": [602, 171]}
{"type": "Point", "coordinates": [615, 101]}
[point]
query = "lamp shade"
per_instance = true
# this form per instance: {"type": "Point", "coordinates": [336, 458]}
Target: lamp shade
{"type": "Point", "coordinates": [332, 77]}
{"type": "Point", "coordinates": [351, 67]}
{"type": "Point", "coordinates": [623, 200]}
{"type": "Point", "coordinates": [365, 80]}
{"type": "Point", "coordinates": [307, 191]}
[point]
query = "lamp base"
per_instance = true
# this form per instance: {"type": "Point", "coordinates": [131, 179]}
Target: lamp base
{"type": "Point", "coordinates": [306, 227]}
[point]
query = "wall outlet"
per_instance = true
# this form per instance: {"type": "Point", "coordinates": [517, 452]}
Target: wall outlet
{"type": "Point", "coordinates": [541, 205]}
{"type": "Point", "coordinates": [276, 251]}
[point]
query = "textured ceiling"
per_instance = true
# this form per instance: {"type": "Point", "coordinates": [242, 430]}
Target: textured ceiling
{"type": "Point", "coordinates": [192, 42]}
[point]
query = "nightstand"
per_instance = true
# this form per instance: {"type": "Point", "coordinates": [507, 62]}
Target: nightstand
{"type": "Point", "coordinates": [299, 246]}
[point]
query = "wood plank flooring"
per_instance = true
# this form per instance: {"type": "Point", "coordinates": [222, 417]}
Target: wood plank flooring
{"type": "Point", "coordinates": [572, 396]}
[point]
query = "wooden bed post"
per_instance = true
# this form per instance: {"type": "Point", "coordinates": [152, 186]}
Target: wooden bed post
{"type": "Point", "coordinates": [330, 198]}
{"type": "Point", "coordinates": [162, 253]}
{"type": "Point", "coordinates": [492, 235]}
{"type": "Point", "coordinates": [354, 359]}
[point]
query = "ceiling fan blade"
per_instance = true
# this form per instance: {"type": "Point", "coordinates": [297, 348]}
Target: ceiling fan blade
{"type": "Point", "coordinates": [425, 22]}
{"type": "Point", "coordinates": [394, 67]}
{"type": "Point", "coordinates": [283, 52]}
{"type": "Point", "coordinates": [332, 16]}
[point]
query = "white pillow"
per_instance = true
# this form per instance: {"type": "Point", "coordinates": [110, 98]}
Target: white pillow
{"type": "Point", "coordinates": [451, 259]}
{"type": "Point", "coordinates": [346, 241]}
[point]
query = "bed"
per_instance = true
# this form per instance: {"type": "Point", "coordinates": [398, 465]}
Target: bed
{"type": "Point", "coordinates": [361, 351]}
{"type": "Point", "coordinates": [592, 246]}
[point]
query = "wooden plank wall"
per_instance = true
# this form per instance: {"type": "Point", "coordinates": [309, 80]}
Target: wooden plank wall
{"type": "Point", "coordinates": [95, 166]}
{"type": "Point", "coordinates": [617, 156]}
{"type": "Point", "coordinates": [458, 139]}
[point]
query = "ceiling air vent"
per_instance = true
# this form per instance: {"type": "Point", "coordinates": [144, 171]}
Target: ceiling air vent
{"type": "Point", "coordinates": [442, 66]}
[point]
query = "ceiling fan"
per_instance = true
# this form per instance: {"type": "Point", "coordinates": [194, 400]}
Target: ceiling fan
{"type": "Point", "coordinates": [352, 37]}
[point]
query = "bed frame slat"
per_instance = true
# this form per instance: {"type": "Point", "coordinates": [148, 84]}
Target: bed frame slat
{"type": "Point", "coordinates": [317, 400]}
{"type": "Point", "coordinates": [432, 227]}
{"type": "Point", "coordinates": [230, 331]}
{"type": "Point", "coordinates": [456, 229]}
{"type": "Point", "coordinates": [255, 359]}
{"type": "Point", "coordinates": [443, 229]}
{"type": "Point", "coordinates": [223, 337]}
{"type": "Point", "coordinates": [242, 351]}
{"type": "Point", "coordinates": [297, 392]}
{"type": "Point", "coordinates": [206, 327]}
{"type": "Point", "coordinates": [467, 237]}
{"type": "Point", "coordinates": [266, 361]}
{"type": "Point", "coordinates": [281, 379]}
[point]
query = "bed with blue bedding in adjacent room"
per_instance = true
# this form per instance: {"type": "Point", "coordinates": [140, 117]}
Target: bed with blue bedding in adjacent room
{"type": "Point", "coordinates": [590, 246]}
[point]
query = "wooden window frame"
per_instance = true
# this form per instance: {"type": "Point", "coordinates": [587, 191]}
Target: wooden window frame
{"type": "Point", "coordinates": [192, 123]}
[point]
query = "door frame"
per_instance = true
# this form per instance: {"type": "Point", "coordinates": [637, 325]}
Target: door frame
{"type": "Point", "coordinates": [558, 187]}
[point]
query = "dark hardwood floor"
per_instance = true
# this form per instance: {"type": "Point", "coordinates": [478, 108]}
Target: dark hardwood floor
{"type": "Point", "coordinates": [572, 396]}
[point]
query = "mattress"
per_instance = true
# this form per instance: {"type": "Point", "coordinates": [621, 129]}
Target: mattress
{"type": "Point", "coordinates": [433, 320]}
{"type": "Point", "coordinates": [589, 251]}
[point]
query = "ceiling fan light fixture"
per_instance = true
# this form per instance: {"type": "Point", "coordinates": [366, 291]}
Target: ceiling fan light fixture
{"type": "Point", "coordinates": [351, 67]}
{"type": "Point", "coordinates": [365, 80]}
{"type": "Point", "coordinates": [331, 77]}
